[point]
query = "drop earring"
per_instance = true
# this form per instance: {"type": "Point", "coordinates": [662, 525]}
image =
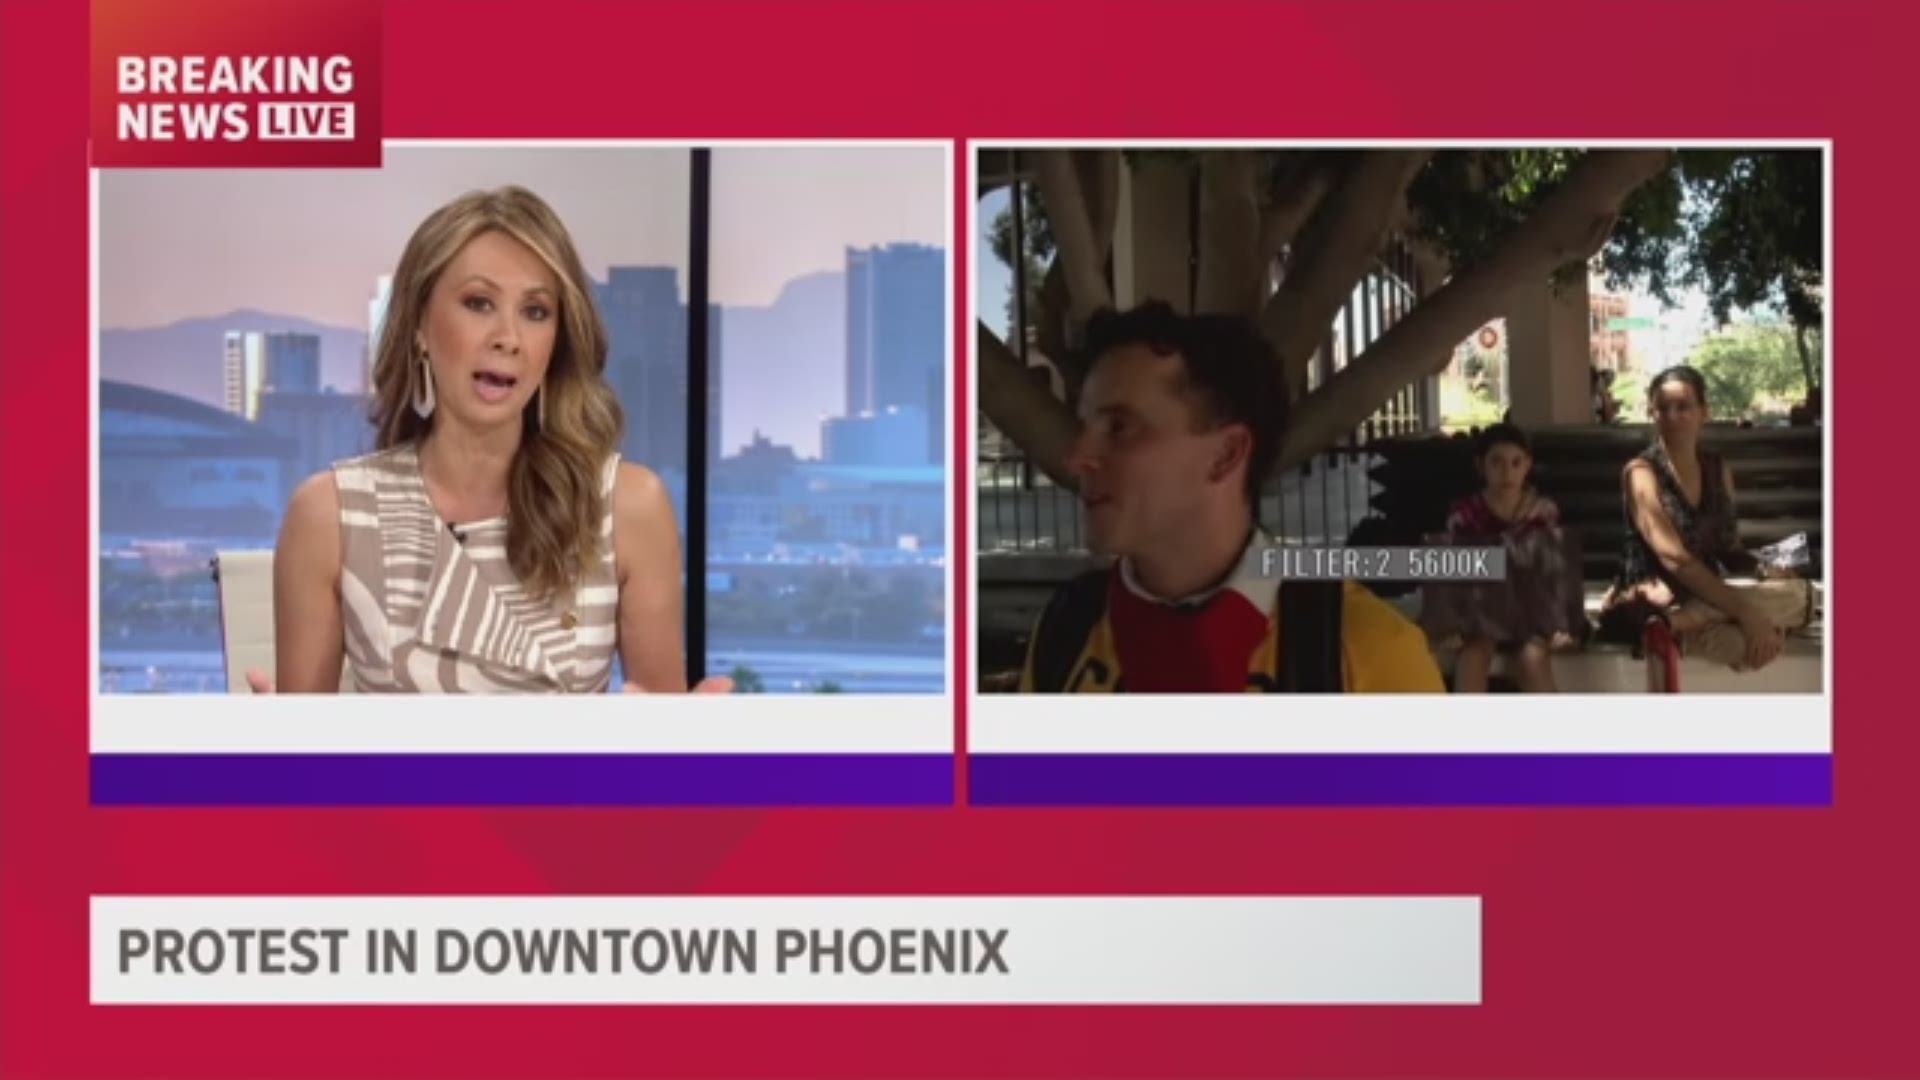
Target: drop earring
{"type": "Point", "coordinates": [423, 396]}
{"type": "Point", "coordinates": [540, 408]}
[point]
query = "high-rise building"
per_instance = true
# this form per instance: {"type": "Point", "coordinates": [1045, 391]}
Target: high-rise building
{"type": "Point", "coordinates": [646, 330]}
{"type": "Point", "coordinates": [323, 427]}
{"type": "Point", "coordinates": [860, 331]}
{"type": "Point", "coordinates": [891, 437]}
{"type": "Point", "coordinates": [293, 364]}
{"type": "Point", "coordinates": [257, 363]}
{"type": "Point", "coordinates": [245, 362]}
{"type": "Point", "coordinates": [647, 363]}
{"type": "Point", "coordinates": [896, 332]}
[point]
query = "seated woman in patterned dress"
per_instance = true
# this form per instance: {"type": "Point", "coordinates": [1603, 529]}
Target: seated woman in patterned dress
{"type": "Point", "coordinates": [493, 541]}
{"type": "Point", "coordinates": [1538, 605]}
{"type": "Point", "coordinates": [1682, 555]}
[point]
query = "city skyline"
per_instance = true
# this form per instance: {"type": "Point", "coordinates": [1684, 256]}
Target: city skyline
{"type": "Point", "coordinates": [790, 413]}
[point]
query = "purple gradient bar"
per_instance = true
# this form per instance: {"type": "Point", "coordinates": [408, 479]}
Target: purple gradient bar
{"type": "Point", "coordinates": [522, 779]}
{"type": "Point", "coordinates": [1400, 779]}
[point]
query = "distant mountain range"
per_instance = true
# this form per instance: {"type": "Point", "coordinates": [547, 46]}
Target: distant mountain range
{"type": "Point", "coordinates": [186, 357]}
{"type": "Point", "coordinates": [784, 366]}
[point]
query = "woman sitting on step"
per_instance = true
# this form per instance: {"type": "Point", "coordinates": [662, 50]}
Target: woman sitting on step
{"type": "Point", "coordinates": [1682, 555]}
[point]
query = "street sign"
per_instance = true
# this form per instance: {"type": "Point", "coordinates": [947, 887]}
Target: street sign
{"type": "Point", "coordinates": [1631, 322]}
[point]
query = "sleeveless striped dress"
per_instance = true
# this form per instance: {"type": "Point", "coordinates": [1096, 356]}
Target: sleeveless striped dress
{"type": "Point", "coordinates": [432, 607]}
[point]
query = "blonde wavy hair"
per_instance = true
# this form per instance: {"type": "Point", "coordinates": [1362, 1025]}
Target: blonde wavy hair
{"type": "Point", "coordinates": [554, 503]}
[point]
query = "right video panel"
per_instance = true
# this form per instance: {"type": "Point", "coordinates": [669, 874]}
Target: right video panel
{"type": "Point", "coordinates": [1512, 457]}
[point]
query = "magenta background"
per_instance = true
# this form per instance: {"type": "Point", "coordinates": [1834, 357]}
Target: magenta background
{"type": "Point", "coordinates": [1623, 943]}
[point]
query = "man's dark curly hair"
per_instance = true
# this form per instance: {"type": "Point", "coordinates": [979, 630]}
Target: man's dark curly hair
{"type": "Point", "coordinates": [1230, 372]}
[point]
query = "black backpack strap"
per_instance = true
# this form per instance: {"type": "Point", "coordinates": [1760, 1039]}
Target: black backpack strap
{"type": "Point", "coordinates": [1069, 618]}
{"type": "Point", "coordinates": [1310, 638]}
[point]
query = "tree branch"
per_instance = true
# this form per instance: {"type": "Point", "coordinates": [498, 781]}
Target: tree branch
{"type": "Point", "coordinates": [1035, 420]}
{"type": "Point", "coordinates": [1430, 263]}
{"type": "Point", "coordinates": [1334, 249]}
{"type": "Point", "coordinates": [1569, 226]}
{"type": "Point", "coordinates": [1291, 207]}
{"type": "Point", "coordinates": [1052, 322]}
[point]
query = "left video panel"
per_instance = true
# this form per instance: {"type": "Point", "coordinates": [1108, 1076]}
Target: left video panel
{"type": "Point", "coordinates": [596, 474]}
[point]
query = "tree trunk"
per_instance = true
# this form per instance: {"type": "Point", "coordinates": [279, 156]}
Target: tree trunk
{"type": "Point", "coordinates": [1234, 263]}
{"type": "Point", "coordinates": [1091, 177]}
{"type": "Point", "coordinates": [1160, 222]}
{"type": "Point", "coordinates": [1099, 172]}
{"type": "Point", "coordinates": [1334, 249]}
{"type": "Point", "coordinates": [1568, 227]}
{"type": "Point", "coordinates": [1806, 357]}
{"type": "Point", "coordinates": [1080, 248]}
{"type": "Point", "coordinates": [1020, 407]}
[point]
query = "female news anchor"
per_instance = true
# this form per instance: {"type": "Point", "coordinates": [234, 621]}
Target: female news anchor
{"type": "Point", "coordinates": [493, 541]}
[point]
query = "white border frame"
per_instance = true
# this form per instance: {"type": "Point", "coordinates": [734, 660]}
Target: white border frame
{"type": "Point", "coordinates": [1387, 723]}
{"type": "Point", "coordinates": [610, 723]}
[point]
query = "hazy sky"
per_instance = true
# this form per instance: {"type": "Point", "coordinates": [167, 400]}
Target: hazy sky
{"type": "Point", "coordinates": [177, 244]}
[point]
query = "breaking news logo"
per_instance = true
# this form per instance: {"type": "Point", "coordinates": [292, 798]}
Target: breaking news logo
{"type": "Point", "coordinates": [236, 84]}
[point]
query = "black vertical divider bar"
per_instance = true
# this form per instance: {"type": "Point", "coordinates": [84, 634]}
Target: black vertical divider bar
{"type": "Point", "coordinates": [700, 191]}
